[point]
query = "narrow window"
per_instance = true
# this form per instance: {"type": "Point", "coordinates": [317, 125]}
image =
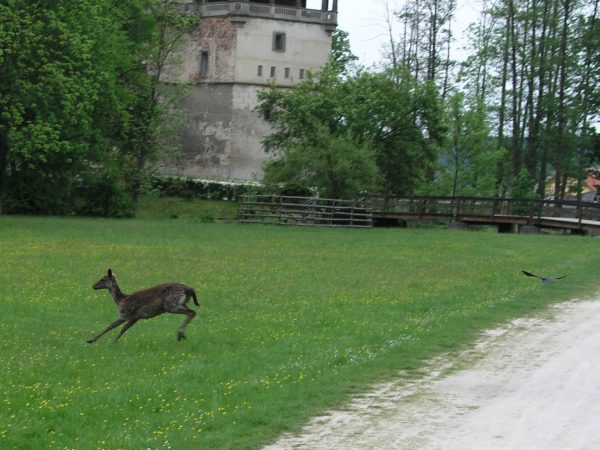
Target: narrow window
{"type": "Point", "coordinates": [301, 74]}
{"type": "Point", "coordinates": [272, 71]}
{"type": "Point", "coordinates": [287, 72]}
{"type": "Point", "coordinates": [203, 64]}
{"type": "Point", "coordinates": [278, 42]}
{"type": "Point", "coordinates": [260, 71]}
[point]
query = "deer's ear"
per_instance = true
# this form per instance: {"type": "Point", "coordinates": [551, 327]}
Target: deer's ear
{"type": "Point", "coordinates": [110, 273]}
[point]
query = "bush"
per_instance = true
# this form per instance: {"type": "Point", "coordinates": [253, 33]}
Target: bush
{"type": "Point", "coordinates": [90, 193]}
{"type": "Point", "coordinates": [105, 196]}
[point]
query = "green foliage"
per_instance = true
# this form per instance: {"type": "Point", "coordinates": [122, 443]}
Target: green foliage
{"type": "Point", "coordinates": [79, 90]}
{"type": "Point", "coordinates": [402, 120]}
{"type": "Point", "coordinates": [158, 114]}
{"type": "Point", "coordinates": [341, 57]}
{"type": "Point", "coordinates": [103, 194]}
{"type": "Point", "coordinates": [47, 93]}
{"type": "Point", "coordinates": [374, 130]}
{"type": "Point", "coordinates": [336, 165]}
{"type": "Point", "coordinates": [294, 321]}
{"type": "Point", "coordinates": [522, 186]}
{"type": "Point", "coordinates": [469, 159]}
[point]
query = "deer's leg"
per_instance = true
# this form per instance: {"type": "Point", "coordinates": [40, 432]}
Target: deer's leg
{"type": "Point", "coordinates": [115, 324]}
{"type": "Point", "coordinates": [127, 326]}
{"type": "Point", "coordinates": [190, 313]}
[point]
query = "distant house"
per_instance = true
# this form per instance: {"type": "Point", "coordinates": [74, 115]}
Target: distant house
{"type": "Point", "coordinates": [590, 191]}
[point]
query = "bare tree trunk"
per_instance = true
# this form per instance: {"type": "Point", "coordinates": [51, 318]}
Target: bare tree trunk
{"type": "Point", "coordinates": [502, 108]}
{"type": "Point", "coordinates": [516, 149]}
{"type": "Point", "coordinates": [447, 68]}
{"type": "Point", "coordinates": [549, 100]}
{"type": "Point", "coordinates": [536, 125]}
{"type": "Point", "coordinates": [388, 21]}
{"type": "Point", "coordinates": [585, 93]}
{"type": "Point", "coordinates": [534, 63]}
{"type": "Point", "coordinates": [560, 151]}
{"type": "Point", "coordinates": [417, 38]}
{"type": "Point", "coordinates": [432, 43]}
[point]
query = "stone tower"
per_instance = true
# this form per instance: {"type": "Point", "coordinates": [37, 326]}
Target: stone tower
{"type": "Point", "coordinates": [240, 48]}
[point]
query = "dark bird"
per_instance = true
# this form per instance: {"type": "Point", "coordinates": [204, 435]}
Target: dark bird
{"type": "Point", "coordinates": [546, 280]}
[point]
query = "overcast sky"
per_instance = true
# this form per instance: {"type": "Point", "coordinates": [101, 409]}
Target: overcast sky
{"type": "Point", "coordinates": [365, 22]}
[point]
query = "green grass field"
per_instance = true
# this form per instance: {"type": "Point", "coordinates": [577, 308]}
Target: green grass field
{"type": "Point", "coordinates": [294, 320]}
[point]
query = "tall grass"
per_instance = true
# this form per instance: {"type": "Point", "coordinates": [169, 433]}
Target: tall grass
{"type": "Point", "coordinates": [293, 321]}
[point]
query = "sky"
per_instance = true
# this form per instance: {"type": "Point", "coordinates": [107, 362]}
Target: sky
{"type": "Point", "coordinates": [365, 22]}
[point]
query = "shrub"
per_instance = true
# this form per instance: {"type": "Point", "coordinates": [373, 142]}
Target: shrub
{"type": "Point", "coordinates": [104, 195]}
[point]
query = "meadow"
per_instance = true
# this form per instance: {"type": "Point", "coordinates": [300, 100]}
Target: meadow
{"type": "Point", "coordinates": [293, 321]}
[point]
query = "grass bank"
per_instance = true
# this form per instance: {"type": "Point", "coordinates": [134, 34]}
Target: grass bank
{"type": "Point", "coordinates": [154, 207]}
{"type": "Point", "coordinates": [294, 320]}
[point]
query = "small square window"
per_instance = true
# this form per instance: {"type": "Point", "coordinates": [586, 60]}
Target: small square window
{"type": "Point", "coordinates": [259, 72]}
{"type": "Point", "coordinates": [301, 74]}
{"type": "Point", "coordinates": [272, 71]}
{"type": "Point", "coordinates": [278, 42]}
{"type": "Point", "coordinates": [287, 72]}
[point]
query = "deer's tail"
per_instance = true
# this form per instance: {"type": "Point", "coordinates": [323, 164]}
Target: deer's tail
{"type": "Point", "coordinates": [192, 293]}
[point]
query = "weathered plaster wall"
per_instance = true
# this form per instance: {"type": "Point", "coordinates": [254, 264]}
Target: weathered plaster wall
{"type": "Point", "coordinates": [248, 129]}
{"type": "Point", "coordinates": [307, 47]}
{"type": "Point", "coordinates": [223, 137]}
{"type": "Point", "coordinates": [206, 141]}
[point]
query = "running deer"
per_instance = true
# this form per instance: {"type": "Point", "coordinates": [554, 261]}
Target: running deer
{"type": "Point", "coordinates": [170, 297]}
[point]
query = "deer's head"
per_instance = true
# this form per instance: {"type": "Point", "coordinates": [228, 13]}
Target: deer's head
{"type": "Point", "coordinates": [108, 281]}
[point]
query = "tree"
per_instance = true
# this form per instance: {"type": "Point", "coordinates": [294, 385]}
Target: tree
{"type": "Point", "coordinates": [82, 108]}
{"type": "Point", "coordinates": [335, 165]}
{"type": "Point", "coordinates": [426, 41]}
{"type": "Point", "coordinates": [469, 160]}
{"type": "Point", "coordinates": [539, 63]}
{"type": "Point", "coordinates": [402, 120]}
{"type": "Point", "coordinates": [342, 59]}
{"type": "Point", "coordinates": [47, 92]}
{"type": "Point", "coordinates": [312, 144]}
{"type": "Point", "coordinates": [388, 121]}
{"type": "Point", "coordinates": [157, 99]}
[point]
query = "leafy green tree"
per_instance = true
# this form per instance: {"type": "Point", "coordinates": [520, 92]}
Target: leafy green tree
{"type": "Point", "coordinates": [342, 58]}
{"type": "Point", "coordinates": [389, 117]}
{"type": "Point", "coordinates": [425, 42]}
{"type": "Point", "coordinates": [469, 160]}
{"type": "Point", "coordinates": [535, 64]}
{"type": "Point", "coordinates": [402, 120]}
{"type": "Point", "coordinates": [82, 108]}
{"type": "Point", "coordinates": [157, 114]}
{"type": "Point", "coordinates": [336, 165]}
{"type": "Point", "coordinates": [312, 145]}
{"type": "Point", "coordinates": [47, 92]}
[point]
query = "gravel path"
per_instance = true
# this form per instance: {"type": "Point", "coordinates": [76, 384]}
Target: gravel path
{"type": "Point", "coordinates": [533, 384]}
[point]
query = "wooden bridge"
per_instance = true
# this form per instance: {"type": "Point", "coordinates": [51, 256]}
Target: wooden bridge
{"type": "Point", "coordinates": [508, 214]}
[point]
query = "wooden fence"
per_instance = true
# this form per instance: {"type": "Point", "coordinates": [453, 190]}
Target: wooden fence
{"type": "Point", "coordinates": [304, 211]}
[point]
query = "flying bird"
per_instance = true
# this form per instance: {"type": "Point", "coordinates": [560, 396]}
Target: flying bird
{"type": "Point", "coordinates": [546, 280]}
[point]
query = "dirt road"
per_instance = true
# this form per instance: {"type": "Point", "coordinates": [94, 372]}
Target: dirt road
{"type": "Point", "coordinates": [533, 384]}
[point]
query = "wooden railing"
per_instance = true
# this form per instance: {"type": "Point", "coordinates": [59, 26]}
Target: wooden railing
{"type": "Point", "coordinates": [486, 209]}
{"type": "Point", "coordinates": [304, 211]}
{"type": "Point", "coordinates": [243, 8]}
